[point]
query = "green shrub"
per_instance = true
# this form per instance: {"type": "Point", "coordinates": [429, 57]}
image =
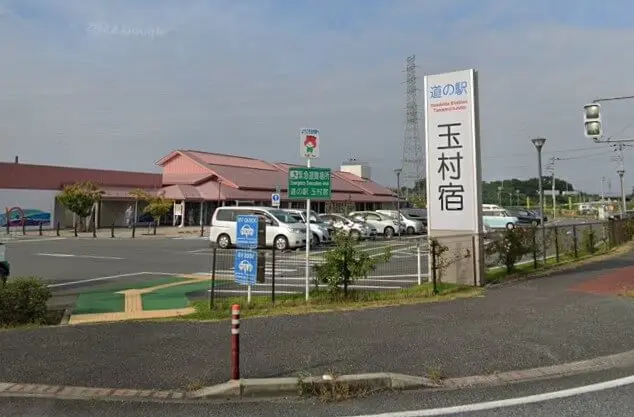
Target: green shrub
{"type": "Point", "coordinates": [589, 241]}
{"type": "Point", "coordinates": [512, 246]}
{"type": "Point", "coordinates": [23, 301]}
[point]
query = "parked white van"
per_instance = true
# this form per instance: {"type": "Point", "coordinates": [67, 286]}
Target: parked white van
{"type": "Point", "coordinates": [282, 229]}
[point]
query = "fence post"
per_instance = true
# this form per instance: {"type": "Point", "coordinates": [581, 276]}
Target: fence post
{"type": "Point", "coordinates": [133, 229]}
{"type": "Point", "coordinates": [574, 240]}
{"type": "Point", "coordinates": [235, 342]}
{"type": "Point", "coordinates": [434, 267]}
{"type": "Point", "coordinates": [557, 244]}
{"type": "Point", "coordinates": [591, 238]}
{"type": "Point", "coordinates": [94, 228]}
{"type": "Point", "coordinates": [75, 228]}
{"type": "Point", "coordinates": [154, 228]}
{"type": "Point", "coordinates": [8, 225]}
{"type": "Point", "coordinates": [40, 232]}
{"type": "Point", "coordinates": [23, 227]}
{"type": "Point", "coordinates": [202, 229]}
{"type": "Point", "coordinates": [534, 247]}
{"type": "Point", "coordinates": [212, 282]}
{"type": "Point", "coordinates": [273, 275]}
{"type": "Point", "coordinates": [418, 265]}
{"type": "Point", "coordinates": [112, 230]}
{"type": "Point", "coordinates": [57, 229]}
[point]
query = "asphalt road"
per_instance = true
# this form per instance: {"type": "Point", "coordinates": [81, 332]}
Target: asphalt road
{"type": "Point", "coordinates": [72, 265]}
{"type": "Point", "coordinates": [524, 325]}
{"type": "Point", "coordinates": [615, 402]}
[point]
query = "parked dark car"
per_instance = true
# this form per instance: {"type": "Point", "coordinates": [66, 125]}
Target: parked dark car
{"type": "Point", "coordinates": [526, 216]}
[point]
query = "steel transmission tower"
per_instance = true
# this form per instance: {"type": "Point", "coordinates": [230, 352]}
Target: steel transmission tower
{"type": "Point", "coordinates": [413, 161]}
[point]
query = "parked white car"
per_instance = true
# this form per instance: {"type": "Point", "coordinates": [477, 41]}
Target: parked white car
{"type": "Point", "coordinates": [385, 225]}
{"type": "Point", "coordinates": [498, 219]}
{"type": "Point", "coordinates": [341, 223]}
{"type": "Point", "coordinates": [318, 227]}
{"type": "Point", "coordinates": [283, 230]}
{"type": "Point", "coordinates": [411, 224]}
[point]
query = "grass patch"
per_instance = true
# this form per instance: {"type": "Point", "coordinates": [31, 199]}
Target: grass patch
{"type": "Point", "coordinates": [321, 301]}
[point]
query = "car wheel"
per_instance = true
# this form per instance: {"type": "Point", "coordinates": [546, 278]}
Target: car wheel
{"type": "Point", "coordinates": [281, 243]}
{"type": "Point", "coordinates": [534, 223]}
{"type": "Point", "coordinates": [388, 232]}
{"type": "Point", "coordinates": [510, 226]}
{"type": "Point", "coordinates": [314, 241]}
{"type": "Point", "coordinates": [410, 230]}
{"type": "Point", "coordinates": [223, 241]}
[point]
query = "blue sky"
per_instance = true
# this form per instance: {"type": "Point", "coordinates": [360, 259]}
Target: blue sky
{"type": "Point", "coordinates": [114, 83]}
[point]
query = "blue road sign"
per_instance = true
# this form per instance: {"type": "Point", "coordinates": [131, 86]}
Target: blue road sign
{"type": "Point", "coordinates": [247, 232]}
{"type": "Point", "coordinates": [245, 267]}
{"type": "Point", "coordinates": [275, 200]}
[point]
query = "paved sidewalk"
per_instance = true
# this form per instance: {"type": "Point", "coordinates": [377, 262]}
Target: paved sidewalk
{"type": "Point", "coordinates": [119, 232]}
{"type": "Point", "coordinates": [528, 324]}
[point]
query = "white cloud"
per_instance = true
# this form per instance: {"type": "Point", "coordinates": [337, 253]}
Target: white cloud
{"type": "Point", "coordinates": [242, 80]}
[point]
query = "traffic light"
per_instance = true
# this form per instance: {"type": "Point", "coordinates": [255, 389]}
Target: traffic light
{"type": "Point", "coordinates": [592, 120]}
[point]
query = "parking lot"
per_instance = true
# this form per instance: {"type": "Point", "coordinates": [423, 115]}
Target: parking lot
{"type": "Point", "coordinates": [74, 265]}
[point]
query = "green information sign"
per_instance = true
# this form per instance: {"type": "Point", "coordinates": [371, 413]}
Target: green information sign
{"type": "Point", "coordinates": [305, 183]}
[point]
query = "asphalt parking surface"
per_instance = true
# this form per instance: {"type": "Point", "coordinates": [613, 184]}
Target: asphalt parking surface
{"type": "Point", "coordinates": [75, 265]}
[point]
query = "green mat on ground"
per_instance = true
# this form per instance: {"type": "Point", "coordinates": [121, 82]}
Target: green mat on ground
{"type": "Point", "coordinates": [106, 300]}
{"type": "Point", "coordinates": [171, 297]}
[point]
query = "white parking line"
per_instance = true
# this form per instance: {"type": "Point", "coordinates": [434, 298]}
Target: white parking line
{"type": "Point", "coordinates": [108, 277]}
{"type": "Point", "coordinates": [43, 239]}
{"type": "Point", "coordinates": [70, 255]}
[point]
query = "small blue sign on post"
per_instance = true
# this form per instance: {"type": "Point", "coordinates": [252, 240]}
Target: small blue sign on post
{"type": "Point", "coordinates": [275, 200]}
{"type": "Point", "coordinates": [247, 232]}
{"type": "Point", "coordinates": [245, 267]}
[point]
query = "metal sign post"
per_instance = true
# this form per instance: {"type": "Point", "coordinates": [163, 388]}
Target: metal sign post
{"type": "Point", "coordinates": [309, 145]}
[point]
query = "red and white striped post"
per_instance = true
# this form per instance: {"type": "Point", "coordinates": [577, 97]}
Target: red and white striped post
{"type": "Point", "coordinates": [235, 342]}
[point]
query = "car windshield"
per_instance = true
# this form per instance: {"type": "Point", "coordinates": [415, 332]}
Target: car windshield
{"type": "Point", "coordinates": [314, 218]}
{"type": "Point", "coordinates": [285, 217]}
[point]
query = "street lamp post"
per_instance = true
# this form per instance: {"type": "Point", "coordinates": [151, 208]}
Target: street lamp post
{"type": "Point", "coordinates": [517, 198]}
{"type": "Point", "coordinates": [397, 171]}
{"type": "Point", "coordinates": [621, 172]}
{"type": "Point", "coordinates": [539, 144]}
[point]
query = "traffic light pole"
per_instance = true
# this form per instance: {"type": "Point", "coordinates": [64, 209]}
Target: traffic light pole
{"type": "Point", "coordinates": [611, 140]}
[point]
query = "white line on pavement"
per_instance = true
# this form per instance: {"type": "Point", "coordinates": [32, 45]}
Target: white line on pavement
{"type": "Point", "coordinates": [81, 281]}
{"type": "Point", "coordinates": [70, 255]}
{"type": "Point", "coordinates": [511, 402]}
{"type": "Point", "coordinates": [244, 291]}
{"type": "Point", "coordinates": [44, 239]}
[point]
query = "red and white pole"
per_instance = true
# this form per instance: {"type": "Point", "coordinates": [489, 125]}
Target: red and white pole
{"type": "Point", "coordinates": [235, 342]}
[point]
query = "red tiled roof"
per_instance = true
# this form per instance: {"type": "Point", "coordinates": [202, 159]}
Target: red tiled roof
{"type": "Point", "coordinates": [172, 179]}
{"type": "Point", "coordinates": [249, 178]}
{"type": "Point", "coordinates": [48, 177]}
{"type": "Point", "coordinates": [367, 186]}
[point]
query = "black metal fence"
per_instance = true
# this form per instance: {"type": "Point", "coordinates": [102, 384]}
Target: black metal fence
{"type": "Point", "coordinates": [287, 273]}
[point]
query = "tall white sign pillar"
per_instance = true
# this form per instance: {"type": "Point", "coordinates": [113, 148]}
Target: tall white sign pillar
{"type": "Point", "coordinates": [454, 178]}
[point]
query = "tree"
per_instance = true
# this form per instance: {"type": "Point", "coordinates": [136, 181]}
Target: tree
{"type": "Point", "coordinates": [157, 205]}
{"type": "Point", "coordinates": [417, 201]}
{"type": "Point", "coordinates": [80, 199]}
{"type": "Point", "coordinates": [345, 263]}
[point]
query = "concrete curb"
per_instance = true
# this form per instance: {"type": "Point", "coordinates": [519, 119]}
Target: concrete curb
{"type": "Point", "coordinates": [295, 386]}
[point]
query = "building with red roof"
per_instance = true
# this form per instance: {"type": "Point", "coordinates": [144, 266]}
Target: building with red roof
{"type": "Point", "coordinates": [199, 180]}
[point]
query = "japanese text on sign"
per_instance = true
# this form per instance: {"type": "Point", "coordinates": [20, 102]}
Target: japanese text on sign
{"type": "Point", "coordinates": [454, 89]}
{"type": "Point", "coordinates": [451, 190]}
{"type": "Point", "coordinates": [306, 183]}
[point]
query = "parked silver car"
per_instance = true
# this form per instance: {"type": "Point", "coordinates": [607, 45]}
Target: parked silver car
{"type": "Point", "coordinates": [358, 230]}
{"type": "Point", "coordinates": [411, 224]}
{"type": "Point", "coordinates": [318, 227]}
{"type": "Point", "coordinates": [384, 224]}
